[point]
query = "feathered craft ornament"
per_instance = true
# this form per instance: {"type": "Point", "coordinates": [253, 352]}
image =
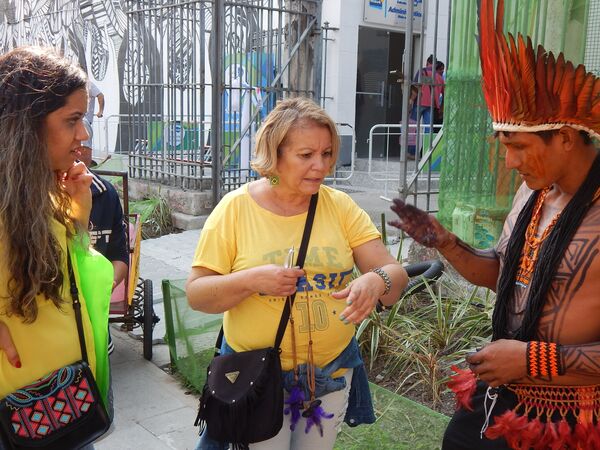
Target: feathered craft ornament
{"type": "Point", "coordinates": [527, 90]}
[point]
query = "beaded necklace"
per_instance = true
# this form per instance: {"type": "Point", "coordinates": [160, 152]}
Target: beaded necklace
{"type": "Point", "coordinates": [531, 247]}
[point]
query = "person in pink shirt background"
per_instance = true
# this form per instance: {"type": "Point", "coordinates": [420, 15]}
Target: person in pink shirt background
{"type": "Point", "coordinates": [426, 99]}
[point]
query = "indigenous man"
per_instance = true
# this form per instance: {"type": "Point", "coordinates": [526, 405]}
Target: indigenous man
{"type": "Point", "coordinates": [538, 380]}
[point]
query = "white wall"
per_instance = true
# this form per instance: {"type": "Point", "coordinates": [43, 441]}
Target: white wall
{"type": "Point", "coordinates": [347, 15]}
{"type": "Point", "coordinates": [342, 57]}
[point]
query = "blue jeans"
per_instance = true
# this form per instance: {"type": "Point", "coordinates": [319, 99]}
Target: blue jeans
{"type": "Point", "coordinates": [360, 405]}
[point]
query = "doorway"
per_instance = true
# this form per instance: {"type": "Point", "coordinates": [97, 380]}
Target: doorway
{"type": "Point", "coordinates": [378, 87]}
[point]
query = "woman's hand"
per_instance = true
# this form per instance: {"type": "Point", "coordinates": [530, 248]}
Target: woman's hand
{"type": "Point", "coordinates": [275, 280]}
{"type": "Point", "coordinates": [361, 297]}
{"type": "Point", "coordinates": [8, 346]}
{"type": "Point", "coordinates": [76, 181]}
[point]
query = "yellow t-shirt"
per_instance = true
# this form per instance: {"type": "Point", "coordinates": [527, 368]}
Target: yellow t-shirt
{"type": "Point", "coordinates": [240, 234]}
{"type": "Point", "coordinates": [51, 341]}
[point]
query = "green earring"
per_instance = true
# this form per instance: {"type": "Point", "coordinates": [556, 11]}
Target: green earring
{"type": "Point", "coordinates": [274, 180]}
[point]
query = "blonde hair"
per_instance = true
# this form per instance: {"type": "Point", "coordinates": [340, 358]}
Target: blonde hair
{"type": "Point", "coordinates": [289, 114]}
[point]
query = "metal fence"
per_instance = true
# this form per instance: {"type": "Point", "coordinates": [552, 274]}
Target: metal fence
{"type": "Point", "coordinates": [416, 174]}
{"type": "Point", "coordinates": [207, 65]}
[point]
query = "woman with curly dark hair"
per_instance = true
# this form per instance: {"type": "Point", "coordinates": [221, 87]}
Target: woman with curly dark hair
{"type": "Point", "coordinates": [45, 202]}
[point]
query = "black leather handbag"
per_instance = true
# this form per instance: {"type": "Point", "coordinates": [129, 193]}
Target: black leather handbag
{"type": "Point", "coordinates": [242, 399]}
{"type": "Point", "coordinates": [61, 411]}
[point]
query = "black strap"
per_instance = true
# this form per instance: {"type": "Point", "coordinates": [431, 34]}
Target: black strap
{"type": "Point", "coordinates": [77, 308]}
{"type": "Point", "coordinates": [285, 315]}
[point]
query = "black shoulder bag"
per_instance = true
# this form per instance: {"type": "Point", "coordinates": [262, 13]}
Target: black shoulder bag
{"type": "Point", "coordinates": [242, 399]}
{"type": "Point", "coordinates": [61, 411]}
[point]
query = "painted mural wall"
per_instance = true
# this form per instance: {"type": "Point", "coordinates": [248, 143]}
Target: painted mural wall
{"type": "Point", "coordinates": [90, 32]}
{"type": "Point", "coordinates": [95, 34]}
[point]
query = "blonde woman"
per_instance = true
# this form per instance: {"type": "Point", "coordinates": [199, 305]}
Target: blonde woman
{"type": "Point", "coordinates": [239, 269]}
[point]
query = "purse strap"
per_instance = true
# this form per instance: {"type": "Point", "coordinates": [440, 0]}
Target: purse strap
{"type": "Point", "coordinates": [77, 308]}
{"type": "Point", "coordinates": [285, 314]}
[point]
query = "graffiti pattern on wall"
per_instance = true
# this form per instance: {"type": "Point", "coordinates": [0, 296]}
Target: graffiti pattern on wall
{"type": "Point", "coordinates": [95, 33]}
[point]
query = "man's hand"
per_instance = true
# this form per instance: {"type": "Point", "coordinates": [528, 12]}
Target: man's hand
{"type": "Point", "coordinates": [500, 362]}
{"type": "Point", "coordinates": [8, 347]}
{"type": "Point", "coordinates": [421, 226]}
{"type": "Point", "coordinates": [99, 114]}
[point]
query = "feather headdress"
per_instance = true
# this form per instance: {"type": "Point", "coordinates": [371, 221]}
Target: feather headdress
{"type": "Point", "coordinates": [531, 90]}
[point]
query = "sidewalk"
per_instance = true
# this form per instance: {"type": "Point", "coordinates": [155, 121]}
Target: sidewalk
{"type": "Point", "coordinates": [152, 409]}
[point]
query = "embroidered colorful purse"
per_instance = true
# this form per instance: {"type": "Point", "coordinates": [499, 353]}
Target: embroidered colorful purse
{"type": "Point", "coordinates": [62, 410]}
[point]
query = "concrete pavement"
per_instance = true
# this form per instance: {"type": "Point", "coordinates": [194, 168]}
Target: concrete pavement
{"type": "Point", "coordinates": [153, 410]}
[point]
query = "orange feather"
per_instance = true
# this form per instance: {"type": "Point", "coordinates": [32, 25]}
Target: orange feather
{"type": "Point", "coordinates": [567, 99]}
{"type": "Point", "coordinates": [550, 72]}
{"type": "Point", "coordinates": [579, 78]}
{"type": "Point", "coordinates": [560, 71]}
{"type": "Point", "coordinates": [542, 101]}
{"type": "Point", "coordinates": [596, 91]}
{"type": "Point", "coordinates": [584, 99]}
{"type": "Point", "coordinates": [527, 77]}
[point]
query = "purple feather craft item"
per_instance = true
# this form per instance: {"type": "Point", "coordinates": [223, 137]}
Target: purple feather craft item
{"type": "Point", "coordinates": [314, 415]}
{"type": "Point", "coordinates": [295, 404]}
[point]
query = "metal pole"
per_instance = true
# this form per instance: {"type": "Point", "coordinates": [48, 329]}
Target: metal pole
{"type": "Point", "coordinates": [317, 56]}
{"type": "Point", "coordinates": [218, 21]}
{"type": "Point", "coordinates": [324, 89]}
{"type": "Point", "coordinates": [406, 85]}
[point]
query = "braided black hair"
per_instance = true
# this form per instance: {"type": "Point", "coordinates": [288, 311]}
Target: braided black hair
{"type": "Point", "coordinates": [550, 256]}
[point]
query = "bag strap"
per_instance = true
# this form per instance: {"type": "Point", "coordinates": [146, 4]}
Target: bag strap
{"type": "Point", "coordinates": [310, 218]}
{"type": "Point", "coordinates": [285, 315]}
{"type": "Point", "coordinates": [77, 308]}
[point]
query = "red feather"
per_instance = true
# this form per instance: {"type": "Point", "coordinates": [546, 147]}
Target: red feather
{"type": "Point", "coordinates": [579, 78]}
{"type": "Point", "coordinates": [549, 436]}
{"type": "Point", "coordinates": [500, 16]}
{"type": "Point", "coordinates": [563, 437]}
{"type": "Point", "coordinates": [593, 438]}
{"type": "Point", "coordinates": [586, 437]}
{"type": "Point", "coordinates": [463, 384]}
{"type": "Point", "coordinates": [542, 99]}
{"type": "Point", "coordinates": [527, 76]}
{"type": "Point", "coordinates": [560, 70]}
{"type": "Point", "coordinates": [596, 91]}
{"type": "Point", "coordinates": [551, 70]}
{"type": "Point", "coordinates": [509, 426]}
{"type": "Point", "coordinates": [512, 101]}
{"type": "Point", "coordinates": [584, 98]}
{"type": "Point", "coordinates": [567, 100]}
{"type": "Point", "coordinates": [531, 434]}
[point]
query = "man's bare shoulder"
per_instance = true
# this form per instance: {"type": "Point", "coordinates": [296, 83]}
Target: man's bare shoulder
{"type": "Point", "coordinates": [520, 199]}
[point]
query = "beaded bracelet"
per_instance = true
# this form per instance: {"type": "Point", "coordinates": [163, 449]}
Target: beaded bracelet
{"type": "Point", "coordinates": [543, 359]}
{"type": "Point", "coordinates": [385, 277]}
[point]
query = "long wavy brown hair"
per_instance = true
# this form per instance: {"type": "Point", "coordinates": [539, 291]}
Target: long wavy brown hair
{"type": "Point", "coordinates": [33, 83]}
